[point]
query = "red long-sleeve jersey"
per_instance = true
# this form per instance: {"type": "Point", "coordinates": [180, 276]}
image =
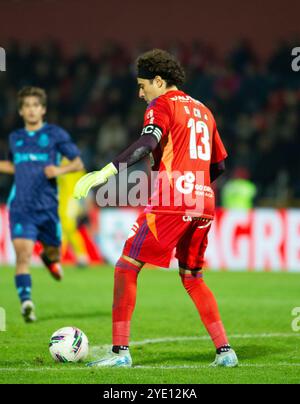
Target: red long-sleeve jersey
{"type": "Point", "coordinates": [189, 143]}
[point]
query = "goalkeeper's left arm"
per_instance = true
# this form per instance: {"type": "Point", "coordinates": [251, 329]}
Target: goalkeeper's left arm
{"type": "Point", "coordinates": [136, 152]}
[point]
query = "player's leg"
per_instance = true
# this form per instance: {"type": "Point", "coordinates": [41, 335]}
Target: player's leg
{"type": "Point", "coordinates": [51, 259]}
{"type": "Point", "coordinates": [50, 237]}
{"type": "Point", "coordinates": [205, 303]}
{"type": "Point", "coordinates": [24, 249]}
{"type": "Point", "coordinates": [208, 310]}
{"type": "Point", "coordinates": [149, 241]}
{"type": "Point", "coordinates": [124, 300]}
{"type": "Point", "coordinates": [190, 253]}
{"type": "Point", "coordinates": [125, 286]}
{"type": "Point", "coordinates": [23, 232]}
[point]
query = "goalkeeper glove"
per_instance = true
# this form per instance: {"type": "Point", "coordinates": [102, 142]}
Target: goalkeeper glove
{"type": "Point", "coordinates": [92, 180]}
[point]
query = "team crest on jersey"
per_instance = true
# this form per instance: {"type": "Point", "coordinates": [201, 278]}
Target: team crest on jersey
{"type": "Point", "coordinates": [133, 230]}
{"type": "Point", "coordinates": [44, 140]}
{"type": "Point", "coordinates": [20, 143]}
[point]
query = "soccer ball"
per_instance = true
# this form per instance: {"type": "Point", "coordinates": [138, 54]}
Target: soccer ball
{"type": "Point", "coordinates": [69, 344]}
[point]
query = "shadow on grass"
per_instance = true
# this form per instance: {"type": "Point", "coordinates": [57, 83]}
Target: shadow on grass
{"type": "Point", "coordinates": [252, 351]}
{"type": "Point", "coordinates": [244, 352]}
{"type": "Point", "coordinates": [175, 358]}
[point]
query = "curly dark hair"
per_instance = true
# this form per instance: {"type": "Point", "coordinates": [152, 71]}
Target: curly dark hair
{"type": "Point", "coordinates": [162, 63]}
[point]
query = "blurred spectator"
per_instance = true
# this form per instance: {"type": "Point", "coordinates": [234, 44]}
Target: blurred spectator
{"type": "Point", "coordinates": [256, 104]}
{"type": "Point", "coordinates": [112, 137]}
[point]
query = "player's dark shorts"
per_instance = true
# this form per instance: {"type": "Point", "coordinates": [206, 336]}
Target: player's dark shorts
{"type": "Point", "coordinates": [41, 226]}
{"type": "Point", "coordinates": [154, 237]}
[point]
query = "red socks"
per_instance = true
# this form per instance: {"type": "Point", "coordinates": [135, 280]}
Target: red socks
{"type": "Point", "coordinates": [207, 307]}
{"type": "Point", "coordinates": [126, 275]}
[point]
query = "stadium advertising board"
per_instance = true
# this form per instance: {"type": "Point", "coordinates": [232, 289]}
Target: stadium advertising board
{"type": "Point", "coordinates": [257, 240]}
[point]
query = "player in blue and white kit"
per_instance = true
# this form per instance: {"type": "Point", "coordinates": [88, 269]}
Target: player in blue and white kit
{"type": "Point", "coordinates": [35, 154]}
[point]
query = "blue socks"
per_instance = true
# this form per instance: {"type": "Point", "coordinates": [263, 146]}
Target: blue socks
{"type": "Point", "coordinates": [23, 285]}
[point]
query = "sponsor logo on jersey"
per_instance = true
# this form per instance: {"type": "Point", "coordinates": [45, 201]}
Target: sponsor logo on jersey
{"type": "Point", "coordinates": [185, 184]}
{"type": "Point", "coordinates": [185, 98]}
{"type": "Point", "coordinates": [187, 218]}
{"type": "Point", "coordinates": [30, 157]}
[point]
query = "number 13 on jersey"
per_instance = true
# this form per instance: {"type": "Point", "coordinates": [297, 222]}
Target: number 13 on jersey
{"type": "Point", "coordinates": [199, 132]}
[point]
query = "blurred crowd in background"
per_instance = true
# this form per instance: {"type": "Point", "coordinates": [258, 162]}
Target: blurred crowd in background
{"type": "Point", "coordinates": [256, 105]}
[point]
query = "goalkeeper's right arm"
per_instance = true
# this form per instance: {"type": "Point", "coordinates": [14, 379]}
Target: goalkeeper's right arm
{"type": "Point", "coordinates": [134, 153]}
{"type": "Point", "coordinates": [7, 167]}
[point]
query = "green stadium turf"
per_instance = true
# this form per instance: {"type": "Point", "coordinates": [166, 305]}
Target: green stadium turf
{"type": "Point", "coordinates": [171, 345]}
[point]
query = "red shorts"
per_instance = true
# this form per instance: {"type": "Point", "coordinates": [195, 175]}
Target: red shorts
{"type": "Point", "coordinates": [154, 237]}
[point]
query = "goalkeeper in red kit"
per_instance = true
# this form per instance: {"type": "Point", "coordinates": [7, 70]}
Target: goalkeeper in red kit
{"type": "Point", "coordinates": [188, 154]}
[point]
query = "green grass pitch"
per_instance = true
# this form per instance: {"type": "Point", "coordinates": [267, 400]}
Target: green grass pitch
{"type": "Point", "coordinates": [171, 345]}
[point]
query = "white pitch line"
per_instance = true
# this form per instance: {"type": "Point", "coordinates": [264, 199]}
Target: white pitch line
{"type": "Point", "coordinates": [174, 339]}
{"type": "Point", "coordinates": [203, 338]}
{"type": "Point", "coordinates": [207, 337]}
{"type": "Point", "coordinates": [245, 365]}
{"type": "Point", "coordinates": [158, 367]}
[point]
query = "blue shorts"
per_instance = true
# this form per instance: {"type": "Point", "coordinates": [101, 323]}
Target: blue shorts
{"type": "Point", "coordinates": [41, 226]}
